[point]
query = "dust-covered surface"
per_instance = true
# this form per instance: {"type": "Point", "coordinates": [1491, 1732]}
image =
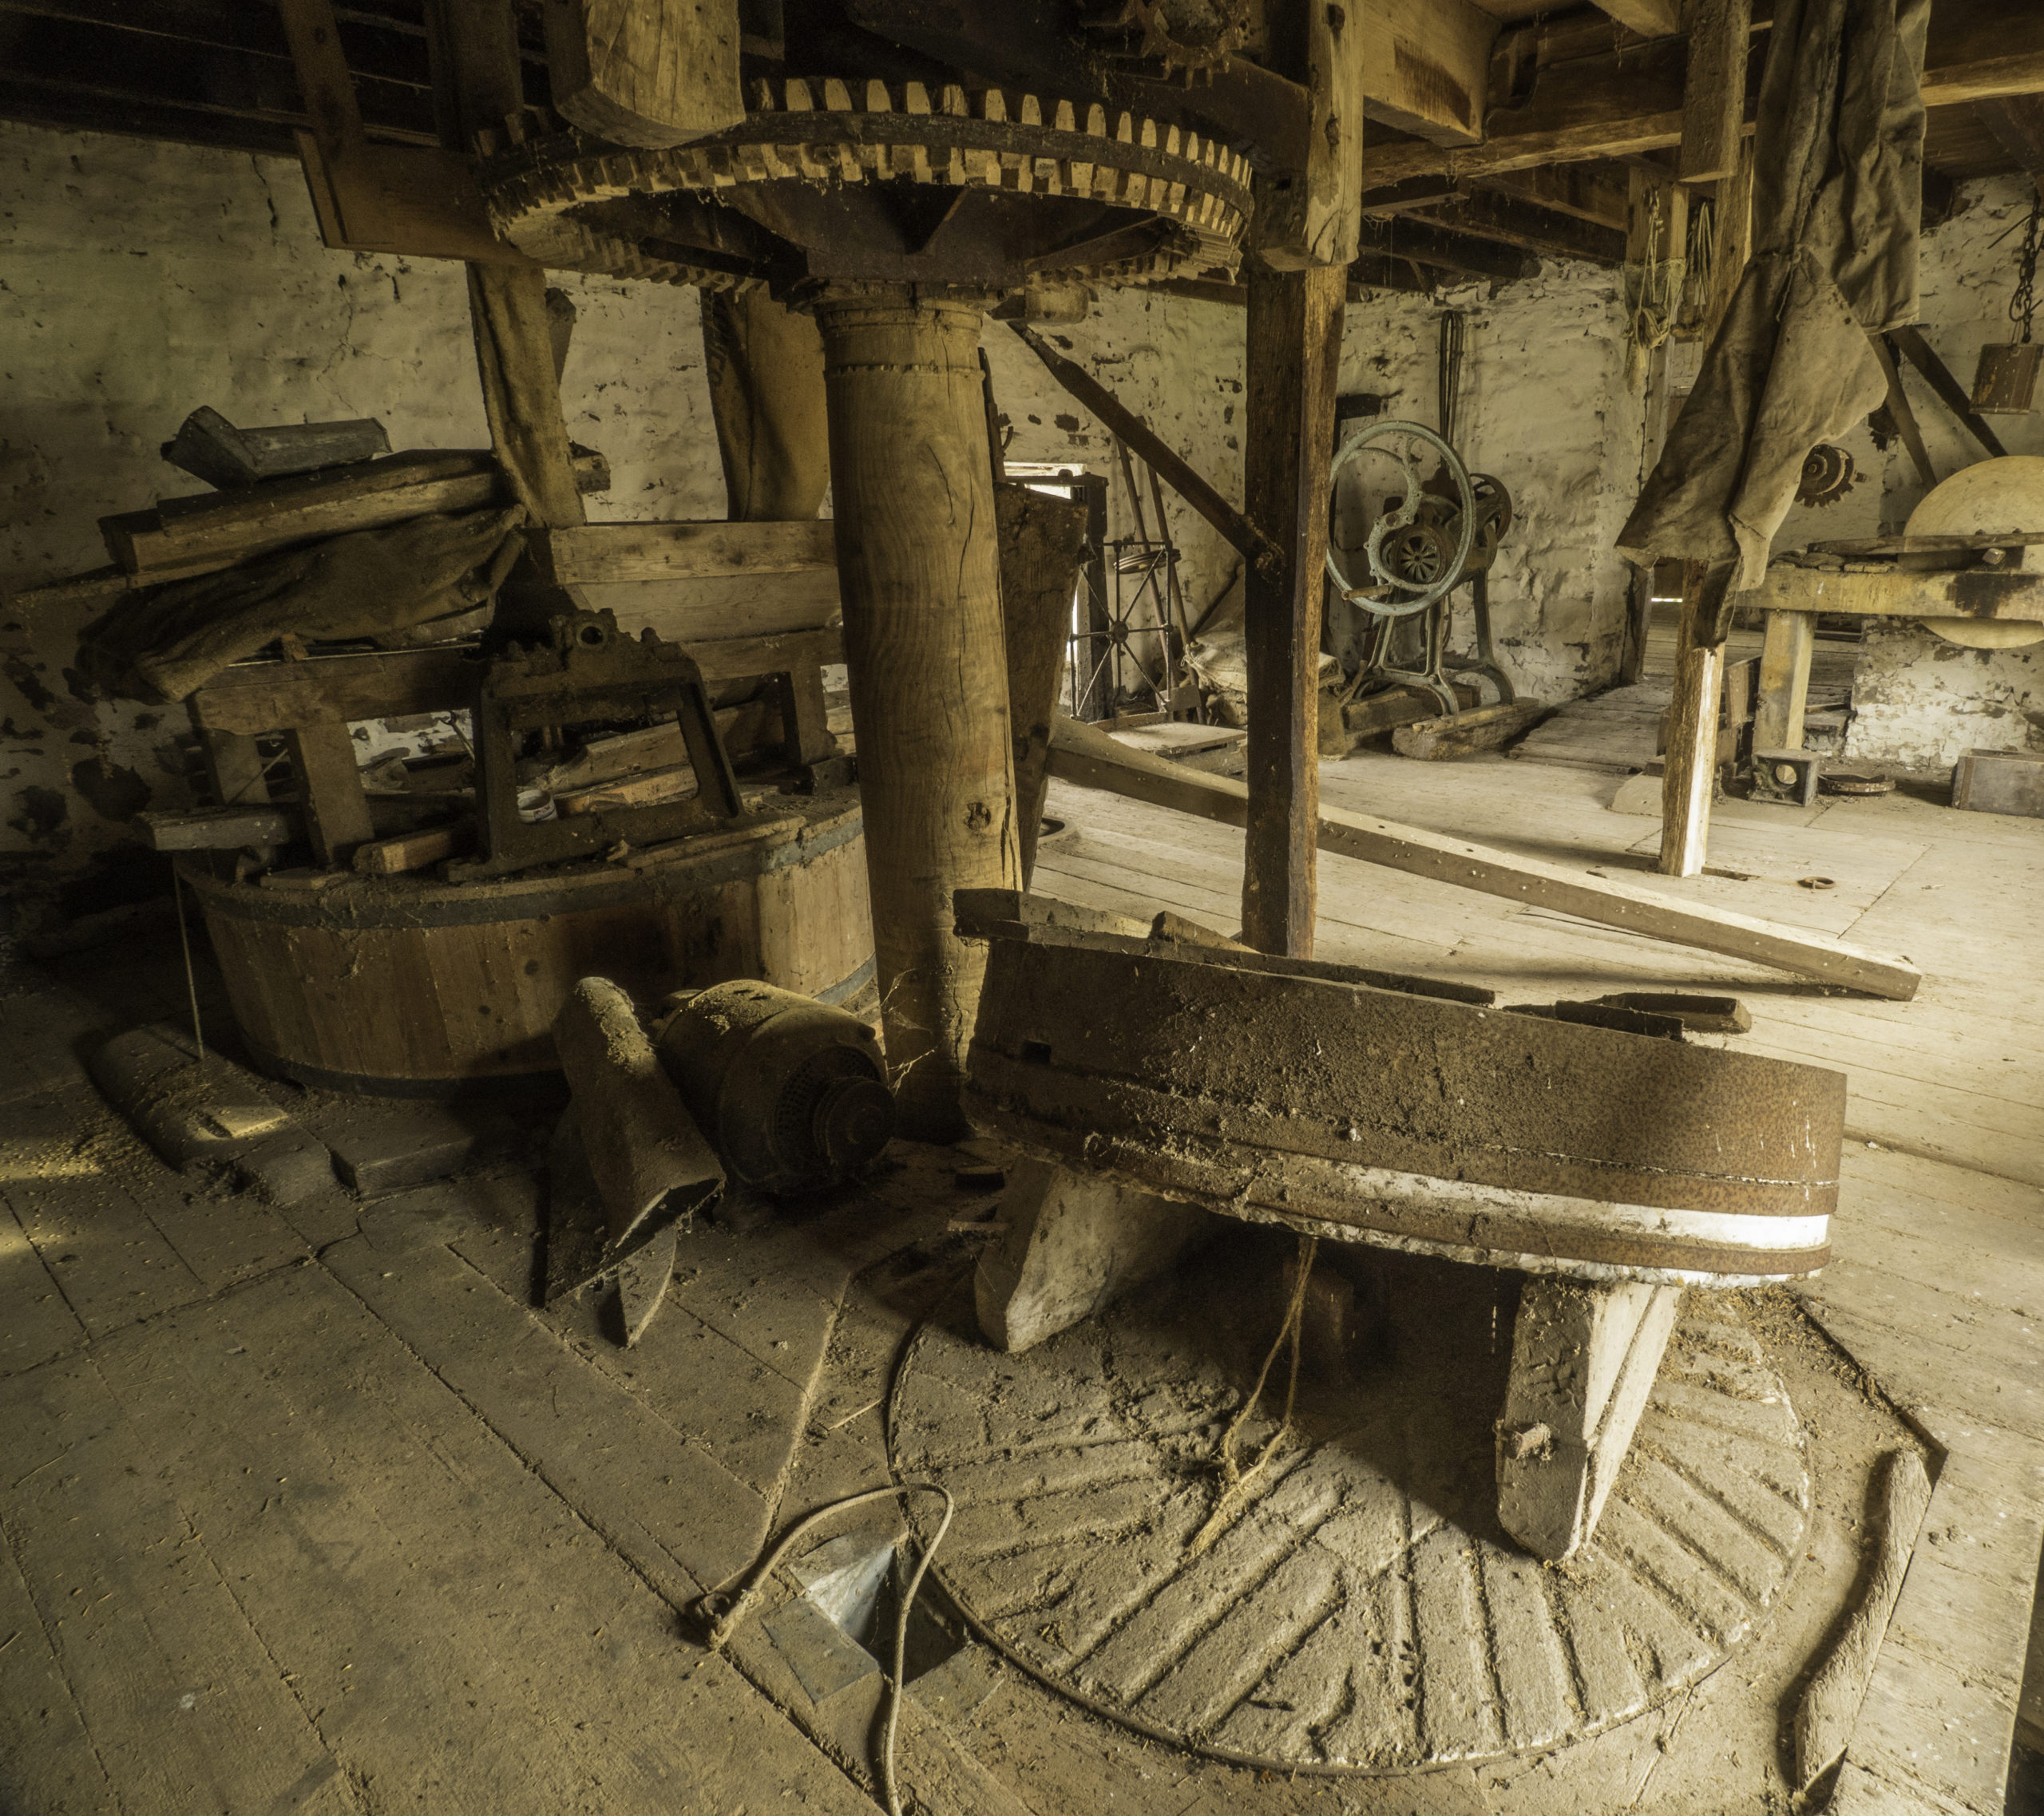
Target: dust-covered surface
{"type": "Point", "coordinates": [406, 1541]}
{"type": "Point", "coordinates": [1361, 1607]}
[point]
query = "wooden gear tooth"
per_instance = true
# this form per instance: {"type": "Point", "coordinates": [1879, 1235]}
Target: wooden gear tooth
{"type": "Point", "coordinates": [535, 180]}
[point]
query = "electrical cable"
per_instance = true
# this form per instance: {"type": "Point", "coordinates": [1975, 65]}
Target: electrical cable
{"type": "Point", "coordinates": [190, 980]}
{"type": "Point", "coordinates": [721, 1611]}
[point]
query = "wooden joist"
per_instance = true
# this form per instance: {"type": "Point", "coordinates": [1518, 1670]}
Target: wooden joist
{"type": "Point", "coordinates": [1626, 103]}
{"type": "Point", "coordinates": [1090, 759]}
{"type": "Point", "coordinates": [1486, 215]}
{"type": "Point", "coordinates": [1426, 67]}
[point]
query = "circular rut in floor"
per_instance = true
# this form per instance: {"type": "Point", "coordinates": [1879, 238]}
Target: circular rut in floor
{"type": "Point", "coordinates": [1361, 1610]}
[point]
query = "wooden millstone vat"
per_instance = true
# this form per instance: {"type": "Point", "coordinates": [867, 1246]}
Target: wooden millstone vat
{"type": "Point", "coordinates": [410, 986]}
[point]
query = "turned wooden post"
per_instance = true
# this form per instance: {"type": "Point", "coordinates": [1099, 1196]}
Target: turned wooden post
{"type": "Point", "coordinates": [919, 574]}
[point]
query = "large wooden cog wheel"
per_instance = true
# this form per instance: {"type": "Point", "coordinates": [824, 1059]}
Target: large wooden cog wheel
{"type": "Point", "coordinates": [865, 181]}
{"type": "Point", "coordinates": [1993, 497]}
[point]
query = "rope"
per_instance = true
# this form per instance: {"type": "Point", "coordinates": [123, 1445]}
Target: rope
{"type": "Point", "coordinates": [1236, 1480]}
{"type": "Point", "coordinates": [1653, 288]}
{"type": "Point", "coordinates": [722, 1611]}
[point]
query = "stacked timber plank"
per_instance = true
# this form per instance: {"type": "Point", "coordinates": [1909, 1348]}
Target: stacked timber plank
{"type": "Point", "coordinates": [183, 537]}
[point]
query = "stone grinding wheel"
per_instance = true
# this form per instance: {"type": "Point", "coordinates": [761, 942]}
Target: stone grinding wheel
{"type": "Point", "coordinates": [1404, 1120]}
{"type": "Point", "coordinates": [1992, 497]}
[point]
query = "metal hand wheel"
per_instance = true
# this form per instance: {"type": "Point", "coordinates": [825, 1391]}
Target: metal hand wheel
{"type": "Point", "coordinates": [1425, 575]}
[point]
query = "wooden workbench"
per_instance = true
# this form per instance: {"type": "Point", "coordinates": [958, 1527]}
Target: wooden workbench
{"type": "Point", "coordinates": [1792, 595]}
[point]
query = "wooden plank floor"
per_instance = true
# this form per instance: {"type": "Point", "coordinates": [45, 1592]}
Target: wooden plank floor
{"type": "Point", "coordinates": [1938, 1287]}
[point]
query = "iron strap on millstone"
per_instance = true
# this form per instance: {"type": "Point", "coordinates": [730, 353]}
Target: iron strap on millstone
{"type": "Point", "coordinates": [1404, 1120]}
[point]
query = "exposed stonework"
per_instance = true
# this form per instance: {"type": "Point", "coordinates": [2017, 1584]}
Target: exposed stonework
{"type": "Point", "coordinates": [216, 254]}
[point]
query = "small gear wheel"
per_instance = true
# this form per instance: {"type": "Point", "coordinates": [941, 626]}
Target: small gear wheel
{"type": "Point", "coordinates": [1827, 475]}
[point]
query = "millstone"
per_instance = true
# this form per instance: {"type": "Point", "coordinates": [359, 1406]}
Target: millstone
{"type": "Point", "coordinates": [1361, 1609]}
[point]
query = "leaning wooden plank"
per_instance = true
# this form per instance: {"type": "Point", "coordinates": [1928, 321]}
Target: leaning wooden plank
{"type": "Point", "coordinates": [647, 73]}
{"type": "Point", "coordinates": [209, 447]}
{"type": "Point", "coordinates": [413, 851]}
{"type": "Point", "coordinates": [1091, 759]}
{"type": "Point", "coordinates": [592, 552]}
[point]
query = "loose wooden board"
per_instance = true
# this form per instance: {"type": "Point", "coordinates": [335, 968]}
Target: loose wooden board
{"type": "Point", "coordinates": [1082, 755]}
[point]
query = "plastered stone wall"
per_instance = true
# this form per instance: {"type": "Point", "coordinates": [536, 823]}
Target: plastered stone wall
{"type": "Point", "coordinates": [139, 280]}
{"type": "Point", "coordinates": [1543, 407]}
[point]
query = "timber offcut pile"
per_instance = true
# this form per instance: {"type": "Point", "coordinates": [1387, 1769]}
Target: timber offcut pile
{"type": "Point", "coordinates": [315, 532]}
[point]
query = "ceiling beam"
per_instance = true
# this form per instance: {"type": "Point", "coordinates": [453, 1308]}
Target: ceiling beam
{"type": "Point", "coordinates": [1514, 223]}
{"type": "Point", "coordinates": [1466, 254]}
{"type": "Point", "coordinates": [2018, 122]}
{"type": "Point", "coordinates": [1426, 67]}
{"type": "Point", "coordinates": [1591, 191]}
{"type": "Point", "coordinates": [1650, 18]}
{"type": "Point", "coordinates": [1624, 105]}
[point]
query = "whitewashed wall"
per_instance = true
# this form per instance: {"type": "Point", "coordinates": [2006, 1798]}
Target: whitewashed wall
{"type": "Point", "coordinates": [139, 280]}
{"type": "Point", "coordinates": [1544, 408]}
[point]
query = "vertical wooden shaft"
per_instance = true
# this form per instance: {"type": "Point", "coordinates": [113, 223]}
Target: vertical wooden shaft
{"type": "Point", "coordinates": [919, 574]}
{"type": "Point", "coordinates": [1691, 775]}
{"type": "Point", "coordinates": [476, 83]}
{"type": "Point", "coordinates": [1784, 681]}
{"type": "Point", "coordinates": [1294, 357]}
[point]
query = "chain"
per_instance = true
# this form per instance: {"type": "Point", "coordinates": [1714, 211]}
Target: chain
{"type": "Point", "coordinates": [2023, 304]}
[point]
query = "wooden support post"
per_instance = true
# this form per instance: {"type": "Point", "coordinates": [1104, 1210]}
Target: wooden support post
{"type": "Point", "coordinates": [919, 574]}
{"type": "Point", "coordinates": [1294, 357]}
{"type": "Point", "coordinates": [652, 73]}
{"type": "Point", "coordinates": [477, 85]}
{"type": "Point", "coordinates": [1731, 225]}
{"type": "Point", "coordinates": [1714, 89]}
{"type": "Point", "coordinates": [1639, 619]}
{"type": "Point", "coordinates": [1784, 681]}
{"type": "Point", "coordinates": [805, 734]}
{"type": "Point", "coordinates": [330, 796]}
{"type": "Point", "coordinates": [1583, 1359]}
{"type": "Point", "coordinates": [1069, 1244]}
{"type": "Point", "coordinates": [1690, 777]}
{"type": "Point", "coordinates": [1308, 218]}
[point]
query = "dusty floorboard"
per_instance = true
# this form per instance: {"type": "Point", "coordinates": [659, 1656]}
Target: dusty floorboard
{"type": "Point", "coordinates": [310, 1511]}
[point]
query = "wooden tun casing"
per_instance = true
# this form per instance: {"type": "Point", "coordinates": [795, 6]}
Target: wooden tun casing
{"type": "Point", "coordinates": [408, 986]}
